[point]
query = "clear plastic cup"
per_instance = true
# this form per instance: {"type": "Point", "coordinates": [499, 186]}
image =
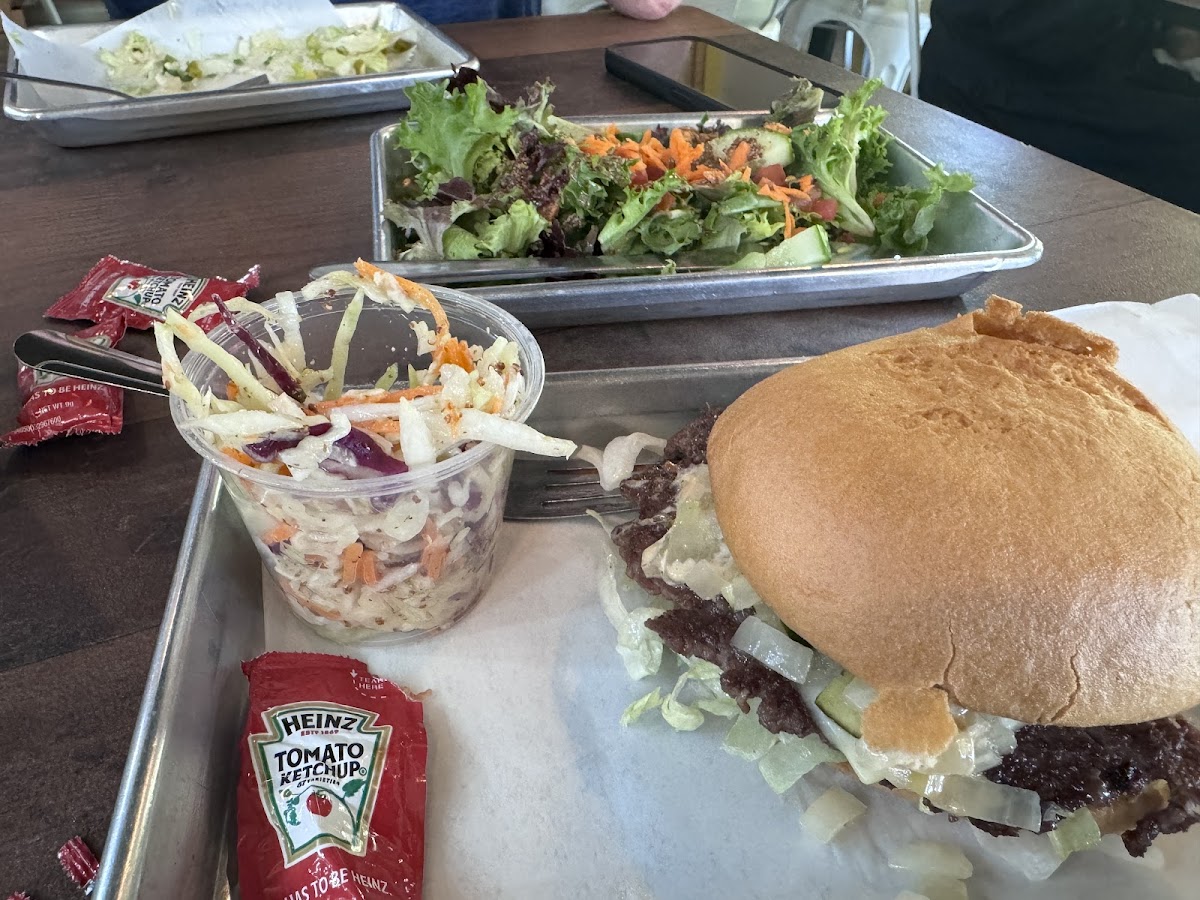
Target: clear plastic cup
{"type": "Point", "coordinates": [432, 530]}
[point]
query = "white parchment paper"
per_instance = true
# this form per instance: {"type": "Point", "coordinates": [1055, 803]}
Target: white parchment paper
{"type": "Point", "coordinates": [536, 791]}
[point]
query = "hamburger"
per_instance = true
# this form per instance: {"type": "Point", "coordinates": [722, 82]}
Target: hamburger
{"type": "Point", "coordinates": [967, 558]}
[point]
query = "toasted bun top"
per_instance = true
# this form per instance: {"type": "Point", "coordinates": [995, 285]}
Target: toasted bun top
{"type": "Point", "coordinates": [985, 507]}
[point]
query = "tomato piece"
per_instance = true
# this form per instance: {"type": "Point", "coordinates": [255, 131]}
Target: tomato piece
{"type": "Point", "coordinates": [773, 173]}
{"type": "Point", "coordinates": [667, 202]}
{"type": "Point", "coordinates": [654, 173]}
{"type": "Point", "coordinates": [637, 175]}
{"type": "Point", "coordinates": [826, 208]}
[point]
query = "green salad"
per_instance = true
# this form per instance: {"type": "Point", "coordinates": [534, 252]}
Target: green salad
{"type": "Point", "coordinates": [141, 67]}
{"type": "Point", "coordinates": [489, 179]}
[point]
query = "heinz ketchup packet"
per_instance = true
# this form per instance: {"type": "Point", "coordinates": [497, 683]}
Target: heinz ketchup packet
{"type": "Point", "coordinates": [54, 405]}
{"type": "Point", "coordinates": [142, 295]}
{"type": "Point", "coordinates": [331, 796]}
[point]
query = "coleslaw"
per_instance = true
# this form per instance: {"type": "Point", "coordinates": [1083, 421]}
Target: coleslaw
{"type": "Point", "coordinates": [141, 67]}
{"type": "Point", "coordinates": [375, 507]}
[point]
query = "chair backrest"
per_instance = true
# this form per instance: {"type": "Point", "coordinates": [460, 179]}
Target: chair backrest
{"type": "Point", "coordinates": [882, 27]}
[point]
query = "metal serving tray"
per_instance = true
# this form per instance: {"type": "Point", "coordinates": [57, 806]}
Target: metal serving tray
{"type": "Point", "coordinates": [171, 832]}
{"type": "Point", "coordinates": [89, 124]}
{"type": "Point", "coordinates": [971, 240]}
{"type": "Point", "coordinates": [535, 790]}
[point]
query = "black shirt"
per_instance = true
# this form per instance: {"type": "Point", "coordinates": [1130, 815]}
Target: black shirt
{"type": "Point", "coordinates": [1075, 78]}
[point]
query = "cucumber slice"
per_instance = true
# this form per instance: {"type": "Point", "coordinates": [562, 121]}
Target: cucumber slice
{"type": "Point", "coordinates": [767, 148]}
{"type": "Point", "coordinates": [832, 702]}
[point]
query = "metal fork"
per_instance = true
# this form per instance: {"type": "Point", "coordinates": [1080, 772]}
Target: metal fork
{"type": "Point", "coordinates": [558, 489]}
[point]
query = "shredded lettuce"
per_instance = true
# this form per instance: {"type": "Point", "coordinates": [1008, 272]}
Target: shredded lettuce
{"type": "Point", "coordinates": [638, 707]}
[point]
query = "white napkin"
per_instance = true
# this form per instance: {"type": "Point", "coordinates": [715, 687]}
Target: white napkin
{"type": "Point", "coordinates": [1159, 348]}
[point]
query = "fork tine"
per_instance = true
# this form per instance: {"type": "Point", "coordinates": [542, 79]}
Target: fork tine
{"type": "Point", "coordinates": [552, 489]}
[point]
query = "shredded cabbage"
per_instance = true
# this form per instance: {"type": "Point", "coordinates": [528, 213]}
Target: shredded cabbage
{"type": "Point", "coordinates": [141, 67]}
{"type": "Point", "coordinates": [341, 347]}
{"type": "Point", "coordinates": [616, 462]}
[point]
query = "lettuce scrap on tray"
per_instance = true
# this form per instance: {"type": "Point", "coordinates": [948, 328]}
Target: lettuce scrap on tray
{"type": "Point", "coordinates": [489, 179]}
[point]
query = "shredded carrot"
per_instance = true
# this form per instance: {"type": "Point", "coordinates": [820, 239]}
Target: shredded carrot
{"type": "Point", "coordinates": [231, 391]}
{"type": "Point", "coordinates": [419, 294]}
{"type": "Point", "coordinates": [280, 533]}
{"type": "Point", "coordinates": [777, 127]}
{"type": "Point", "coordinates": [454, 353]}
{"type": "Point", "coordinates": [667, 202]}
{"type": "Point", "coordinates": [805, 183]}
{"type": "Point", "coordinates": [239, 456]}
{"type": "Point", "coordinates": [380, 426]}
{"type": "Point", "coordinates": [740, 155]}
{"type": "Point", "coordinates": [368, 571]}
{"type": "Point", "coordinates": [594, 145]}
{"type": "Point", "coordinates": [424, 390]}
{"type": "Point", "coordinates": [350, 557]}
{"type": "Point", "coordinates": [745, 173]}
{"type": "Point", "coordinates": [284, 470]}
{"type": "Point", "coordinates": [611, 133]}
{"type": "Point", "coordinates": [494, 405]}
{"type": "Point", "coordinates": [433, 557]}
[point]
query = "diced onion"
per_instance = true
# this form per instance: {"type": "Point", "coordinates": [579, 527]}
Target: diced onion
{"type": "Point", "coordinates": [748, 738]}
{"type": "Point", "coordinates": [773, 649]}
{"type": "Point", "coordinates": [793, 758]}
{"type": "Point", "coordinates": [941, 888]}
{"type": "Point", "coordinates": [1077, 831]}
{"type": "Point", "coordinates": [830, 813]}
{"type": "Point", "coordinates": [932, 858]}
{"type": "Point", "coordinates": [964, 795]}
{"type": "Point", "coordinates": [1030, 854]}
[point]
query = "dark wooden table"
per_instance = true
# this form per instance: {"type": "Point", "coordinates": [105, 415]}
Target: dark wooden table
{"type": "Point", "coordinates": [90, 526]}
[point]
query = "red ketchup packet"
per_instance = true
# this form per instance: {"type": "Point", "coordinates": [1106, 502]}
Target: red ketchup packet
{"type": "Point", "coordinates": [79, 862]}
{"type": "Point", "coordinates": [142, 295]}
{"type": "Point", "coordinates": [331, 797]}
{"type": "Point", "coordinates": [55, 405]}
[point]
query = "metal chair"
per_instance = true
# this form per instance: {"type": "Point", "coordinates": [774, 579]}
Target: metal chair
{"type": "Point", "coordinates": [891, 31]}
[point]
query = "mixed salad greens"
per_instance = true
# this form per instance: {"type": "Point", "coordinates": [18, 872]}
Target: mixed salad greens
{"type": "Point", "coordinates": [492, 179]}
{"type": "Point", "coordinates": [412, 556]}
{"type": "Point", "coordinates": [141, 67]}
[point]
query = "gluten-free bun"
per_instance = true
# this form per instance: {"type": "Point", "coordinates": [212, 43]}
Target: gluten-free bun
{"type": "Point", "coordinates": [986, 507]}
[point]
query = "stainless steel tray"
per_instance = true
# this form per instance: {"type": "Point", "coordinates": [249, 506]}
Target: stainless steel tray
{"type": "Point", "coordinates": [171, 832]}
{"type": "Point", "coordinates": [971, 240]}
{"type": "Point", "coordinates": [89, 124]}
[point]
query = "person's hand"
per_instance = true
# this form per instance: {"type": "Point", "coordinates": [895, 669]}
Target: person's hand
{"type": "Point", "coordinates": [643, 9]}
